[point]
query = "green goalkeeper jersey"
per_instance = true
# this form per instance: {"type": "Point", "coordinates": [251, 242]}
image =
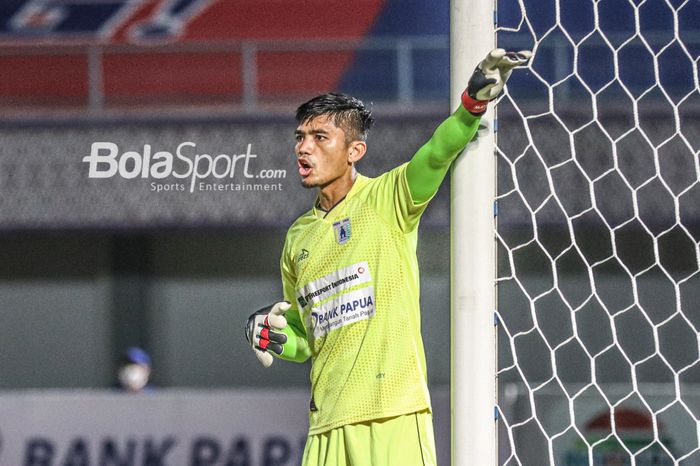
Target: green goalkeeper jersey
{"type": "Point", "coordinates": [352, 277]}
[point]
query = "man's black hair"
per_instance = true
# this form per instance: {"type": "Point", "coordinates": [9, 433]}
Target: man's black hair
{"type": "Point", "coordinates": [346, 112]}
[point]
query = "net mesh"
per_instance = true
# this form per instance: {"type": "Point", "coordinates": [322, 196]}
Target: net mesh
{"type": "Point", "coordinates": [598, 231]}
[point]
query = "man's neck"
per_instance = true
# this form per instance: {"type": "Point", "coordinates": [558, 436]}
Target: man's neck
{"type": "Point", "coordinates": [333, 193]}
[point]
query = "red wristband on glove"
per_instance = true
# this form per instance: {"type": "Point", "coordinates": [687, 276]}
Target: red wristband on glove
{"type": "Point", "coordinates": [475, 107]}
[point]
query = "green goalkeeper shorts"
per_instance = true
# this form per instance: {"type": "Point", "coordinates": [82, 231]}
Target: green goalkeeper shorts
{"type": "Point", "coordinates": [406, 440]}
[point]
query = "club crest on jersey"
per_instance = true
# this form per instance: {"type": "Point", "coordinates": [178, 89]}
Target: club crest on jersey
{"type": "Point", "coordinates": [342, 230]}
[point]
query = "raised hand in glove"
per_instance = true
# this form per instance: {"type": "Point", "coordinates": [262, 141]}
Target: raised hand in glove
{"type": "Point", "coordinates": [263, 331]}
{"type": "Point", "coordinates": [490, 77]}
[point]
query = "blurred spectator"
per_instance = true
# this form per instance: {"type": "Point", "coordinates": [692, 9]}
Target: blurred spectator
{"type": "Point", "coordinates": [134, 371]}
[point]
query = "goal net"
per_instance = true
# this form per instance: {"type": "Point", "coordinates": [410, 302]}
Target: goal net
{"type": "Point", "coordinates": [598, 282]}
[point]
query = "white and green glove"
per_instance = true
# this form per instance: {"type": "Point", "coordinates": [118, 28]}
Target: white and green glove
{"type": "Point", "coordinates": [490, 77]}
{"type": "Point", "coordinates": [263, 331]}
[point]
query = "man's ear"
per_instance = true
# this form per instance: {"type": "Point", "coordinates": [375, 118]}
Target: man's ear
{"type": "Point", "coordinates": [356, 151]}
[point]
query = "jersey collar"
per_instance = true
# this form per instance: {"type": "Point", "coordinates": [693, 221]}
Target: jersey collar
{"type": "Point", "coordinates": [360, 180]}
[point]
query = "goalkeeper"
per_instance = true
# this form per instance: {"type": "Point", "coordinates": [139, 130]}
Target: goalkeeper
{"type": "Point", "coordinates": [350, 280]}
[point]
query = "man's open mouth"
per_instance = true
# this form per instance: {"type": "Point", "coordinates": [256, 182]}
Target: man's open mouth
{"type": "Point", "coordinates": [304, 167]}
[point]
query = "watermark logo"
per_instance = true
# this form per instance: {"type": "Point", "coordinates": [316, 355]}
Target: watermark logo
{"type": "Point", "coordinates": [231, 172]}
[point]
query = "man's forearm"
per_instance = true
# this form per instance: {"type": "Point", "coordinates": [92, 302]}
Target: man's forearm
{"type": "Point", "coordinates": [430, 164]}
{"type": "Point", "coordinates": [296, 349]}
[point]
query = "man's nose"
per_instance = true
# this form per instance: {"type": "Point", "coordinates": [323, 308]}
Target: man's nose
{"type": "Point", "coordinates": [304, 146]}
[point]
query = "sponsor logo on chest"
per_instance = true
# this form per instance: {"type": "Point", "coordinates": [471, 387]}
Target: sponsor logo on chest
{"type": "Point", "coordinates": [333, 283]}
{"type": "Point", "coordinates": [343, 310]}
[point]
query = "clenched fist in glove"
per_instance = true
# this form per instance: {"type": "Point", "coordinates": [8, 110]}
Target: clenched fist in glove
{"type": "Point", "coordinates": [263, 331]}
{"type": "Point", "coordinates": [490, 77]}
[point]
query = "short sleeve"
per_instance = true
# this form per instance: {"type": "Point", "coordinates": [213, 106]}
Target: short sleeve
{"type": "Point", "coordinates": [293, 315]}
{"type": "Point", "coordinates": [391, 198]}
{"type": "Point", "coordinates": [288, 276]}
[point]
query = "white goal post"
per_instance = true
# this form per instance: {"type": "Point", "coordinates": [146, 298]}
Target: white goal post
{"type": "Point", "coordinates": [473, 267]}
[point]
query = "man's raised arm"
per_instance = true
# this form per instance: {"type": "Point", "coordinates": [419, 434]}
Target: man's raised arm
{"type": "Point", "coordinates": [429, 165]}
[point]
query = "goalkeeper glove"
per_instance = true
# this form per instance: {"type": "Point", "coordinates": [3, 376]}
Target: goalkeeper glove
{"type": "Point", "coordinates": [489, 78]}
{"type": "Point", "coordinates": [260, 331]}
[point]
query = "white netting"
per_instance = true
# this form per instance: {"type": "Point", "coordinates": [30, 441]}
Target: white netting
{"type": "Point", "coordinates": [599, 224]}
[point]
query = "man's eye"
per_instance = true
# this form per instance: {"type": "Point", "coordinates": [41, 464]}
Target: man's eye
{"type": "Point", "coordinates": [320, 137]}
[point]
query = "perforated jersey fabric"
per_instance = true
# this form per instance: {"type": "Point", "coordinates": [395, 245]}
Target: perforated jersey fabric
{"type": "Point", "coordinates": [352, 277]}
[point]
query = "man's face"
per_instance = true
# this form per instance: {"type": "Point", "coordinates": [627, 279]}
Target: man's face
{"type": "Point", "coordinates": [322, 153]}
